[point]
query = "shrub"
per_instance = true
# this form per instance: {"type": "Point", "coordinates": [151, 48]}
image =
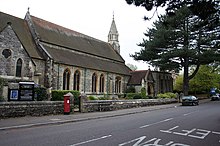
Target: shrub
{"type": "Point", "coordinates": [166, 95]}
{"type": "Point", "coordinates": [40, 93]}
{"type": "Point", "coordinates": [92, 98]}
{"type": "Point", "coordinates": [1, 99]}
{"type": "Point", "coordinates": [2, 82]}
{"type": "Point", "coordinates": [57, 95]}
{"type": "Point", "coordinates": [143, 92]}
{"type": "Point", "coordinates": [171, 95]}
{"type": "Point", "coordinates": [162, 95]}
{"type": "Point", "coordinates": [133, 96]}
{"type": "Point", "coordinates": [130, 90]}
{"type": "Point", "coordinates": [130, 95]}
{"type": "Point", "coordinates": [103, 98]}
{"type": "Point", "coordinates": [137, 96]}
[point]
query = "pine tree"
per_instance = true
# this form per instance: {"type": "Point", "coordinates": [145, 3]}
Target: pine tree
{"type": "Point", "coordinates": [201, 8]}
{"type": "Point", "coordinates": [181, 41]}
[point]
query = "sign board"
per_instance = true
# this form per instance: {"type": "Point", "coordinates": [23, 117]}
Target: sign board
{"type": "Point", "coordinates": [26, 90]}
{"type": "Point", "coordinates": [13, 94]}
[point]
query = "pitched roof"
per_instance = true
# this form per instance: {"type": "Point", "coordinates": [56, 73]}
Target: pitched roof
{"type": "Point", "coordinates": [80, 50]}
{"type": "Point", "coordinates": [21, 29]}
{"type": "Point", "coordinates": [87, 61]}
{"type": "Point", "coordinates": [58, 35]}
{"type": "Point", "coordinates": [137, 76]}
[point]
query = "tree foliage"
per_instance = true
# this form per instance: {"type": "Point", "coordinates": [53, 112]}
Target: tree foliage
{"type": "Point", "coordinates": [178, 85]}
{"type": "Point", "coordinates": [181, 41]}
{"type": "Point", "coordinates": [200, 8]}
{"type": "Point", "coordinates": [132, 67]}
{"type": "Point", "coordinates": [205, 79]}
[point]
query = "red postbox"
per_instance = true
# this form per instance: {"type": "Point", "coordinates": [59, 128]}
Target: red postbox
{"type": "Point", "coordinates": [66, 104]}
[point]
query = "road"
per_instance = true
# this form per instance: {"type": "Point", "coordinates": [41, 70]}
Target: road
{"type": "Point", "coordinates": [178, 126]}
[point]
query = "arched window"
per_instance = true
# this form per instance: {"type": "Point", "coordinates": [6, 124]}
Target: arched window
{"type": "Point", "coordinates": [18, 67]}
{"type": "Point", "coordinates": [76, 80]}
{"type": "Point", "coordinates": [94, 82]}
{"type": "Point", "coordinates": [101, 83]}
{"type": "Point", "coordinates": [118, 85]}
{"type": "Point", "coordinates": [66, 79]}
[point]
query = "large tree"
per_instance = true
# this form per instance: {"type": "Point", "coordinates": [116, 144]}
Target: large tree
{"type": "Point", "coordinates": [201, 8]}
{"type": "Point", "coordinates": [181, 41]}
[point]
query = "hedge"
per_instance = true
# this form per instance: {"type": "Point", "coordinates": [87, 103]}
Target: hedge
{"type": "Point", "coordinates": [57, 95]}
{"type": "Point", "coordinates": [166, 95]}
{"type": "Point", "coordinates": [40, 93]}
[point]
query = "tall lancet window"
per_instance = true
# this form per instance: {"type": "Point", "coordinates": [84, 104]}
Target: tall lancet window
{"type": "Point", "coordinates": [66, 79]}
{"type": "Point", "coordinates": [94, 82]}
{"type": "Point", "coordinates": [118, 85]}
{"type": "Point", "coordinates": [18, 67]}
{"type": "Point", "coordinates": [76, 80]}
{"type": "Point", "coordinates": [101, 83]}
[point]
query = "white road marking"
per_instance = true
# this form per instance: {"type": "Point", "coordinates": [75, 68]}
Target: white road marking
{"type": "Point", "coordinates": [186, 132]}
{"type": "Point", "coordinates": [137, 141]}
{"type": "Point", "coordinates": [152, 142]}
{"type": "Point", "coordinates": [201, 134]}
{"type": "Point", "coordinates": [188, 114]}
{"type": "Point", "coordinates": [156, 123]}
{"type": "Point", "coordinates": [215, 132]}
{"type": "Point", "coordinates": [91, 140]}
{"type": "Point", "coordinates": [169, 130]}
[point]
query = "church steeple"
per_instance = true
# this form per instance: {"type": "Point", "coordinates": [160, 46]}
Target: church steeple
{"type": "Point", "coordinates": [113, 36]}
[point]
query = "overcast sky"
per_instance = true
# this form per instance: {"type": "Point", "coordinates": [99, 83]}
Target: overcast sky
{"type": "Point", "coordinates": [90, 17]}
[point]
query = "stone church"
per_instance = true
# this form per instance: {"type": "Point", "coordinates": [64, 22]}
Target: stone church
{"type": "Point", "coordinates": [33, 49]}
{"type": "Point", "coordinates": [58, 58]}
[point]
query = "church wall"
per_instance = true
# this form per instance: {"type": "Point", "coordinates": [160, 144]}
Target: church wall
{"type": "Point", "coordinates": [163, 82]}
{"type": "Point", "coordinates": [11, 50]}
{"type": "Point", "coordinates": [86, 80]}
{"type": "Point", "coordinates": [40, 69]}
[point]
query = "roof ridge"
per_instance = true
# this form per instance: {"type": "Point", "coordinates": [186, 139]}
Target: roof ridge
{"type": "Point", "coordinates": [11, 15]}
{"type": "Point", "coordinates": [57, 27]}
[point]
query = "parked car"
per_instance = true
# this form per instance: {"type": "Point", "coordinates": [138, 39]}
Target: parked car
{"type": "Point", "coordinates": [215, 97]}
{"type": "Point", "coordinates": [190, 100]}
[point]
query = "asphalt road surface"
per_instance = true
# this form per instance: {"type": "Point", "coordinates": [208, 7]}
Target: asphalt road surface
{"type": "Point", "coordinates": [178, 126]}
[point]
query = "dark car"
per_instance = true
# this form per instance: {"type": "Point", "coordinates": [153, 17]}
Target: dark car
{"type": "Point", "coordinates": [190, 100]}
{"type": "Point", "coordinates": [215, 97]}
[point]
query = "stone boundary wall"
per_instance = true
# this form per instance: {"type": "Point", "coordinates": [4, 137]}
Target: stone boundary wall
{"type": "Point", "coordinates": [109, 105]}
{"type": "Point", "coordinates": [30, 108]}
{"type": "Point", "coordinates": [41, 108]}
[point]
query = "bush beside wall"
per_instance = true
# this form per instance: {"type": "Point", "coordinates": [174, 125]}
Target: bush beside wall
{"type": "Point", "coordinates": [57, 95]}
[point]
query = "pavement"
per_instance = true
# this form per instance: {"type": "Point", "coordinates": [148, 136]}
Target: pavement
{"type": "Point", "coordinates": [29, 121]}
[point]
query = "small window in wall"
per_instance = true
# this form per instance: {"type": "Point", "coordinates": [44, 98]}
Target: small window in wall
{"type": "Point", "coordinates": [6, 53]}
{"type": "Point", "coordinates": [118, 85]}
{"type": "Point", "coordinates": [94, 82]}
{"type": "Point", "coordinates": [18, 67]}
{"type": "Point", "coordinates": [66, 79]}
{"type": "Point", "coordinates": [101, 83]}
{"type": "Point", "coordinates": [76, 80]}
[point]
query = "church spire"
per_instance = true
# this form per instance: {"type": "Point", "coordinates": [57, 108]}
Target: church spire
{"type": "Point", "coordinates": [113, 36]}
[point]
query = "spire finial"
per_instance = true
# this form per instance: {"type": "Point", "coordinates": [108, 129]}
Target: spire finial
{"type": "Point", "coordinates": [28, 10]}
{"type": "Point", "coordinates": [113, 15]}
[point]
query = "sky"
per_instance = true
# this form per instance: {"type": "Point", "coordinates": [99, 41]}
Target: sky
{"type": "Point", "coordinates": [91, 17]}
